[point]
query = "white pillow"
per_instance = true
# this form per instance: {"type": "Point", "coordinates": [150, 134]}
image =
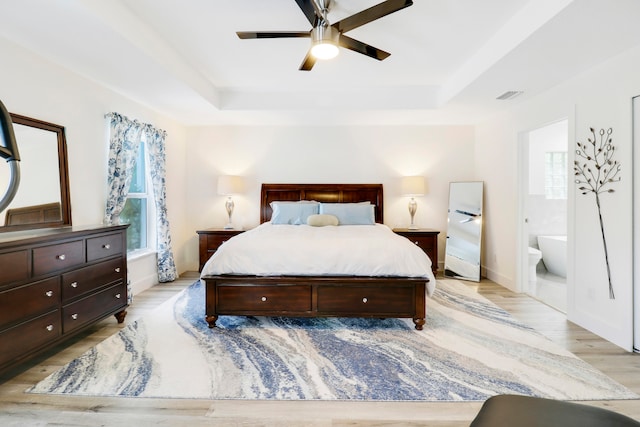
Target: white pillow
{"type": "Point", "coordinates": [320, 220]}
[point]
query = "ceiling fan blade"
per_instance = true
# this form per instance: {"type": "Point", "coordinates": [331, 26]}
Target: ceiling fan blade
{"type": "Point", "coordinates": [371, 14]}
{"type": "Point", "coordinates": [309, 9]}
{"type": "Point", "coordinates": [272, 34]}
{"type": "Point", "coordinates": [363, 48]}
{"type": "Point", "coordinates": [308, 62]}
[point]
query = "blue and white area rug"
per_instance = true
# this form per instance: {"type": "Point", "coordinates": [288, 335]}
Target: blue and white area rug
{"type": "Point", "coordinates": [469, 350]}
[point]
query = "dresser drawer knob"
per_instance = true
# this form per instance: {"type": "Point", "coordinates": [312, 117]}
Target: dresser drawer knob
{"type": "Point", "coordinates": [117, 269]}
{"type": "Point", "coordinates": [49, 293]}
{"type": "Point", "coordinates": [106, 246]}
{"type": "Point", "coordinates": [61, 257]}
{"type": "Point", "coordinates": [417, 243]}
{"type": "Point", "coordinates": [365, 300]}
{"type": "Point", "coordinates": [74, 284]}
{"type": "Point", "coordinates": [74, 316]}
{"type": "Point", "coordinates": [49, 328]}
{"type": "Point", "coordinates": [263, 299]}
{"type": "Point", "coordinates": [118, 296]}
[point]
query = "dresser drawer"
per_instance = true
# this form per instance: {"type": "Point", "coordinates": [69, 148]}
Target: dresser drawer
{"type": "Point", "coordinates": [263, 298]}
{"type": "Point", "coordinates": [104, 246]}
{"type": "Point", "coordinates": [14, 267]}
{"type": "Point", "coordinates": [48, 259]}
{"type": "Point", "coordinates": [29, 336]}
{"type": "Point", "coordinates": [93, 307]}
{"type": "Point", "coordinates": [87, 279]}
{"type": "Point", "coordinates": [29, 300]}
{"type": "Point", "coordinates": [395, 301]}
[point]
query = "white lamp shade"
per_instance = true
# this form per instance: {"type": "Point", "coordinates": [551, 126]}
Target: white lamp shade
{"type": "Point", "coordinates": [230, 184]}
{"type": "Point", "coordinates": [413, 186]}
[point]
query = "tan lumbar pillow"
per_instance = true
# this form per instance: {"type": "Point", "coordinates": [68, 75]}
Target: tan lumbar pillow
{"type": "Point", "coordinates": [321, 220]}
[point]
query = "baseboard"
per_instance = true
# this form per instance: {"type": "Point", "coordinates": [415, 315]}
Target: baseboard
{"type": "Point", "coordinates": [143, 272]}
{"type": "Point", "coordinates": [142, 284]}
{"type": "Point", "coordinates": [498, 278]}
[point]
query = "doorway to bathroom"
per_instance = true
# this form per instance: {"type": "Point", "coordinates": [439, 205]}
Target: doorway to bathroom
{"type": "Point", "coordinates": [545, 177]}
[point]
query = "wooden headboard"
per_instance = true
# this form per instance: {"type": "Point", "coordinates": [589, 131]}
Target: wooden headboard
{"type": "Point", "coordinates": [327, 193]}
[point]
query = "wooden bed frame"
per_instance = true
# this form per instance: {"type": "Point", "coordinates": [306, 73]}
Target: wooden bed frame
{"type": "Point", "coordinates": [317, 296]}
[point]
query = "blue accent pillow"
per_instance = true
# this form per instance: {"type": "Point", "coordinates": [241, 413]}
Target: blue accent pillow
{"type": "Point", "coordinates": [350, 213]}
{"type": "Point", "coordinates": [294, 213]}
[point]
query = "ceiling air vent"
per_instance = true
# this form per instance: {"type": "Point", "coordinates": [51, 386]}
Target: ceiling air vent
{"type": "Point", "coordinates": [510, 94]}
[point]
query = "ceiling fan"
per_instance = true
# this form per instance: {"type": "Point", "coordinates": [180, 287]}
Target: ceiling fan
{"type": "Point", "coordinates": [326, 37]}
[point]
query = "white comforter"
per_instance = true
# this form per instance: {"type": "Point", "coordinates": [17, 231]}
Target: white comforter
{"type": "Point", "coordinates": [353, 250]}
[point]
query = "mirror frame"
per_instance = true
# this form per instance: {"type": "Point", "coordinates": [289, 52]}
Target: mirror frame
{"type": "Point", "coordinates": [65, 199]}
{"type": "Point", "coordinates": [479, 214]}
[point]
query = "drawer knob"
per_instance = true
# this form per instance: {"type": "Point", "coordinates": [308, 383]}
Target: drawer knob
{"type": "Point", "coordinates": [118, 296]}
{"type": "Point", "coordinates": [365, 300]}
{"type": "Point", "coordinates": [74, 284]}
{"type": "Point", "coordinates": [74, 316]}
{"type": "Point", "coordinates": [263, 299]}
{"type": "Point", "coordinates": [49, 293]}
{"type": "Point", "coordinates": [107, 246]}
{"type": "Point", "coordinates": [117, 269]}
{"type": "Point", "coordinates": [416, 242]}
{"type": "Point", "coordinates": [49, 328]}
{"type": "Point", "coordinates": [61, 257]}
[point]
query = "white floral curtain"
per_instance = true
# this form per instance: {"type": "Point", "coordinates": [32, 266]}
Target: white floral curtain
{"type": "Point", "coordinates": [124, 142]}
{"type": "Point", "coordinates": [155, 144]}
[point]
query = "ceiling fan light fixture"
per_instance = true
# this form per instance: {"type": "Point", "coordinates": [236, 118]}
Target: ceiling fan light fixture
{"type": "Point", "coordinates": [324, 50]}
{"type": "Point", "coordinates": [324, 42]}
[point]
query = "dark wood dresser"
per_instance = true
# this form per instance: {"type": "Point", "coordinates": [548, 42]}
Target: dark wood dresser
{"type": "Point", "coordinates": [55, 283]}
{"type": "Point", "coordinates": [426, 239]}
{"type": "Point", "coordinates": [210, 240]}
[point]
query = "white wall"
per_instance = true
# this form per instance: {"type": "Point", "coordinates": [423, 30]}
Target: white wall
{"type": "Point", "coordinates": [33, 87]}
{"type": "Point", "coordinates": [599, 98]}
{"type": "Point", "coordinates": [326, 155]}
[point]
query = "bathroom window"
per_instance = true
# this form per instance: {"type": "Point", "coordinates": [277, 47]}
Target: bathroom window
{"type": "Point", "coordinates": [555, 174]}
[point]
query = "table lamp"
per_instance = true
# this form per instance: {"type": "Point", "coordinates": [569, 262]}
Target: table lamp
{"type": "Point", "coordinates": [229, 185]}
{"type": "Point", "coordinates": [413, 186]}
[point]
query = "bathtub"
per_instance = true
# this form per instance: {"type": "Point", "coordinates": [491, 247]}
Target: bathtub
{"type": "Point", "coordinates": [554, 254]}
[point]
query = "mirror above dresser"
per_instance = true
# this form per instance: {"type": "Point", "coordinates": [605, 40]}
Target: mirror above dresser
{"type": "Point", "coordinates": [42, 199]}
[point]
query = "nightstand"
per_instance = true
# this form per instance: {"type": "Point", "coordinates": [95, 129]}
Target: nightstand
{"type": "Point", "coordinates": [426, 239]}
{"type": "Point", "coordinates": [210, 241]}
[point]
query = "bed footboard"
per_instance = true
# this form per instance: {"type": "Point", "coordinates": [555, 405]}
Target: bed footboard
{"type": "Point", "coordinates": [311, 296]}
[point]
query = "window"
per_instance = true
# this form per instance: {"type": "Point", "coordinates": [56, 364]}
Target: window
{"type": "Point", "coordinates": [555, 174]}
{"type": "Point", "coordinates": [138, 208]}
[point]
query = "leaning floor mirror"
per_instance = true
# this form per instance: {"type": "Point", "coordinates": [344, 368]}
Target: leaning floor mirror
{"type": "Point", "coordinates": [464, 231]}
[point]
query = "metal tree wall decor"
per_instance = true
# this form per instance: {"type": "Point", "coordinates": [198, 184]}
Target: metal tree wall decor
{"type": "Point", "coordinates": [596, 171]}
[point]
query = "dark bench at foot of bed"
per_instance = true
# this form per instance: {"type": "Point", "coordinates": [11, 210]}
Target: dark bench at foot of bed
{"type": "Point", "coordinates": [316, 296]}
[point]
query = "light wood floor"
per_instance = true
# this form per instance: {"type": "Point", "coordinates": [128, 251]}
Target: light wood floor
{"type": "Point", "coordinates": [20, 409]}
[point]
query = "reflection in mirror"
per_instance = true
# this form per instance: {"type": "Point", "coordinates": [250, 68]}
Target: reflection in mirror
{"type": "Point", "coordinates": [42, 199]}
{"type": "Point", "coordinates": [464, 231]}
